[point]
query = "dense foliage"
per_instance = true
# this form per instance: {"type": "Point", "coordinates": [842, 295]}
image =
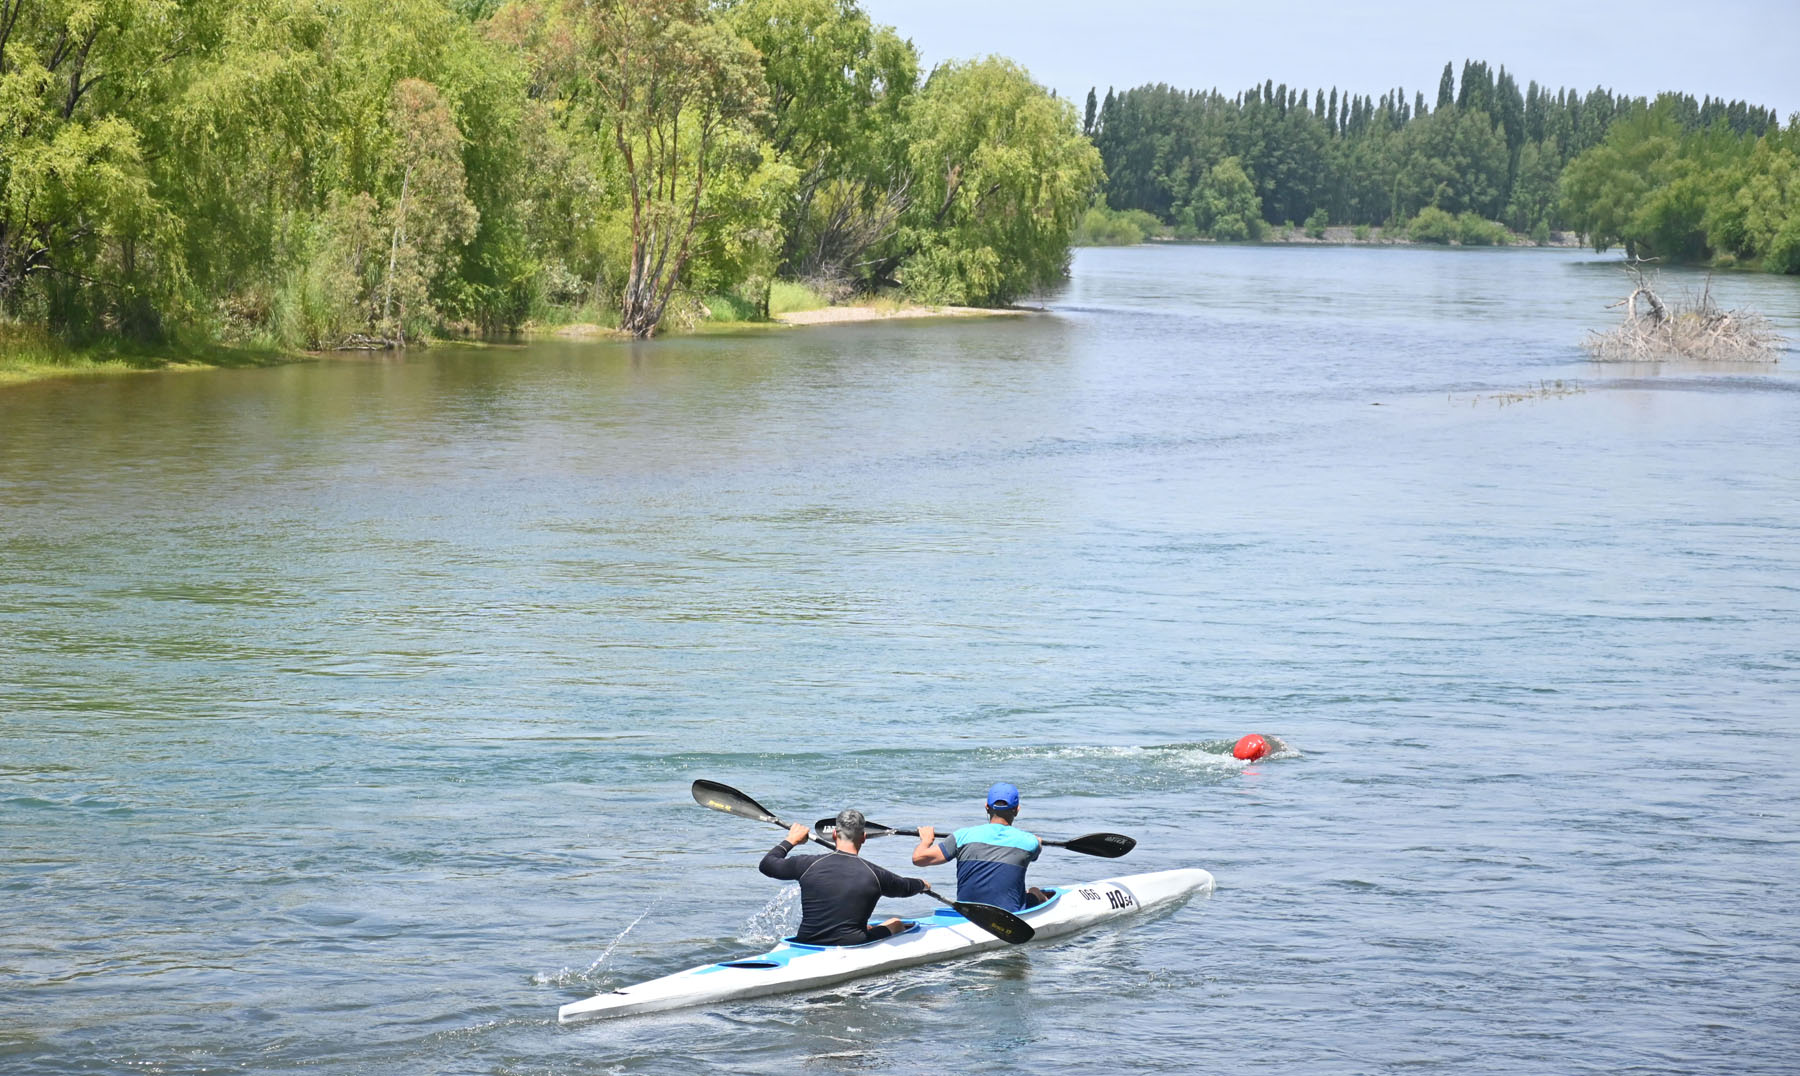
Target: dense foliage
{"type": "Point", "coordinates": [1621, 169]}
{"type": "Point", "coordinates": [303, 171]}
{"type": "Point", "coordinates": [1104, 226]}
{"type": "Point", "coordinates": [1665, 190]}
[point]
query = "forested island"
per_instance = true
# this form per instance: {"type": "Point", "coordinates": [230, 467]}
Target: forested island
{"type": "Point", "coordinates": [1676, 178]}
{"type": "Point", "coordinates": [311, 174]}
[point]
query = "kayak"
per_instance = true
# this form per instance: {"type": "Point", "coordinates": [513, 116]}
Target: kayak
{"type": "Point", "coordinates": [942, 935]}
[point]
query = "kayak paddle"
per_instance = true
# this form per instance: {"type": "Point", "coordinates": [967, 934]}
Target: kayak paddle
{"type": "Point", "coordinates": [1104, 845]}
{"type": "Point", "coordinates": [999, 922]}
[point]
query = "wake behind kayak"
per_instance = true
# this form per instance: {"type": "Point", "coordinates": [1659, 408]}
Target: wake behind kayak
{"type": "Point", "coordinates": [943, 935]}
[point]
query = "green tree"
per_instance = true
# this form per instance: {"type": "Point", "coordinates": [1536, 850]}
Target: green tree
{"type": "Point", "coordinates": [432, 210]}
{"type": "Point", "coordinates": [680, 95]}
{"type": "Point", "coordinates": [1755, 212]}
{"type": "Point", "coordinates": [1534, 191]}
{"type": "Point", "coordinates": [838, 87]}
{"type": "Point", "coordinates": [1454, 159]}
{"type": "Point", "coordinates": [84, 239]}
{"type": "Point", "coordinates": [1001, 174]}
{"type": "Point", "coordinates": [282, 126]}
{"type": "Point", "coordinates": [1606, 188]}
{"type": "Point", "coordinates": [1230, 210]}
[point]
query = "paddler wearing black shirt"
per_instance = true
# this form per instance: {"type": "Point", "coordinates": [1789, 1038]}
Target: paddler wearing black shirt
{"type": "Point", "coordinates": [838, 890]}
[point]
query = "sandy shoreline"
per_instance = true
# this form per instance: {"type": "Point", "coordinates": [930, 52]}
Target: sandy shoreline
{"type": "Point", "coordinates": [834, 315]}
{"type": "Point", "coordinates": [830, 315]}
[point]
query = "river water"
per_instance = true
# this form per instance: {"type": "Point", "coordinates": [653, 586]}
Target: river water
{"type": "Point", "coordinates": [348, 709]}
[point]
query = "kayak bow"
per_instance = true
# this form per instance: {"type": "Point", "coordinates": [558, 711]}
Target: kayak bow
{"type": "Point", "coordinates": [943, 935]}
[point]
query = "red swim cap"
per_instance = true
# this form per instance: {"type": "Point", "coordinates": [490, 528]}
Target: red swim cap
{"type": "Point", "coordinates": [1250, 747]}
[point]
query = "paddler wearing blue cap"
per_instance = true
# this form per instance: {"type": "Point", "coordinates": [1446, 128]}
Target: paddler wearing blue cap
{"type": "Point", "coordinates": [990, 858]}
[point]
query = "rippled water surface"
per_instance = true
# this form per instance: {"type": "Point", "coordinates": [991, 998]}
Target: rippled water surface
{"type": "Point", "coordinates": [348, 709]}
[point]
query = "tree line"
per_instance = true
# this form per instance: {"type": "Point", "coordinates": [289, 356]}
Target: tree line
{"type": "Point", "coordinates": [305, 171]}
{"type": "Point", "coordinates": [1534, 159]}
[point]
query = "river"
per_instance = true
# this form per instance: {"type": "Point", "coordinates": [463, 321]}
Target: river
{"type": "Point", "coordinates": [348, 708]}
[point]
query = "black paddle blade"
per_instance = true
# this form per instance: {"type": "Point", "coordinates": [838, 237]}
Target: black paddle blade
{"type": "Point", "coordinates": [725, 798]}
{"type": "Point", "coordinates": [1104, 845]}
{"type": "Point", "coordinates": [870, 829]}
{"type": "Point", "coordinates": [999, 922]}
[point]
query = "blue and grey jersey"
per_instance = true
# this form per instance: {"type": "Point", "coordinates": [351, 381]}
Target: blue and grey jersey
{"type": "Point", "coordinates": [990, 863]}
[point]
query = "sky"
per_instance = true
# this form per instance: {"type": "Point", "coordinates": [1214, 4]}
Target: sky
{"type": "Point", "coordinates": [1746, 49]}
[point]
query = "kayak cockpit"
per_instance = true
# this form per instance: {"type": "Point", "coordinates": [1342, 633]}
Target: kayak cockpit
{"type": "Point", "coordinates": [790, 949]}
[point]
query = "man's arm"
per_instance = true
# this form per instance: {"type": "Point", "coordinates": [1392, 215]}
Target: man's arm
{"type": "Point", "coordinates": [928, 854]}
{"type": "Point", "coordinates": [775, 862]}
{"type": "Point", "coordinates": [892, 885]}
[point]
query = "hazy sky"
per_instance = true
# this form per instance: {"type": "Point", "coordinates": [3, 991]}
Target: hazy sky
{"type": "Point", "coordinates": [1727, 48]}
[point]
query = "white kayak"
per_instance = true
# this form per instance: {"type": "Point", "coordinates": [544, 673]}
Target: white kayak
{"type": "Point", "coordinates": [939, 936]}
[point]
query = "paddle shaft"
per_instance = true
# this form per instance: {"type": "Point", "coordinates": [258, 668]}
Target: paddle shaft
{"type": "Point", "coordinates": [1104, 845]}
{"type": "Point", "coordinates": [938, 829]}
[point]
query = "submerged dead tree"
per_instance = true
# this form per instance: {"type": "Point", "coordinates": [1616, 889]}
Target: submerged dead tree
{"type": "Point", "coordinates": [1694, 327]}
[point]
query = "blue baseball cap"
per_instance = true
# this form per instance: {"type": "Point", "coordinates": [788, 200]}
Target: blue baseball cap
{"type": "Point", "coordinates": [1002, 794]}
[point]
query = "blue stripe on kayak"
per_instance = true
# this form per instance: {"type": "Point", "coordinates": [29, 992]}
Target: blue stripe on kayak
{"type": "Point", "coordinates": [788, 951]}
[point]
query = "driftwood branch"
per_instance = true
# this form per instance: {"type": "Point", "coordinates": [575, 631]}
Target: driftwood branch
{"type": "Point", "coordinates": [363, 342]}
{"type": "Point", "coordinates": [1693, 327]}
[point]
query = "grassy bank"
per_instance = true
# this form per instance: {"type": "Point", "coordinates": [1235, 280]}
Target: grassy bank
{"type": "Point", "coordinates": [29, 353]}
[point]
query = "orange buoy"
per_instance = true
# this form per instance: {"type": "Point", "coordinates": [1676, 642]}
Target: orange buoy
{"type": "Point", "coordinates": [1250, 748]}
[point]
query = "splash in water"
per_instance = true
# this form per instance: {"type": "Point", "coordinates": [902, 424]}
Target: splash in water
{"type": "Point", "coordinates": [776, 920]}
{"type": "Point", "coordinates": [592, 972]}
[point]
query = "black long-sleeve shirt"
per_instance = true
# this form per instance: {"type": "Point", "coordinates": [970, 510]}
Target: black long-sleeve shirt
{"type": "Point", "coordinates": [838, 892]}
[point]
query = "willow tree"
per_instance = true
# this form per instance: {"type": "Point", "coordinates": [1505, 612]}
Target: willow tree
{"type": "Point", "coordinates": [1001, 176]}
{"type": "Point", "coordinates": [838, 87]}
{"type": "Point", "coordinates": [680, 95]}
{"type": "Point", "coordinates": [82, 235]}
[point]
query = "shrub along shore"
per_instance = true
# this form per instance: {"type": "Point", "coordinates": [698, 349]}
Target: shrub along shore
{"type": "Point", "coordinates": [1103, 227]}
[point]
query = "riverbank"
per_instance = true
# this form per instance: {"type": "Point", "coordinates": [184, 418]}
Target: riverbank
{"type": "Point", "coordinates": [1344, 235]}
{"type": "Point", "coordinates": [843, 315]}
{"type": "Point", "coordinates": [31, 354]}
{"type": "Point", "coordinates": [881, 309]}
{"type": "Point", "coordinates": [1366, 236]}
